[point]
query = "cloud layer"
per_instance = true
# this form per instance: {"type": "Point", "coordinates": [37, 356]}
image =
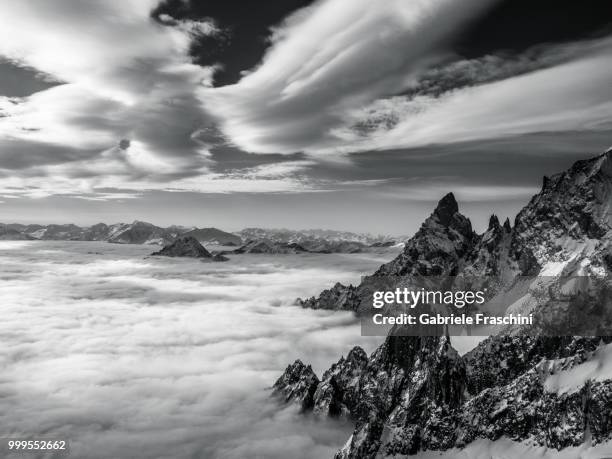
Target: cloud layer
{"type": "Point", "coordinates": [133, 357]}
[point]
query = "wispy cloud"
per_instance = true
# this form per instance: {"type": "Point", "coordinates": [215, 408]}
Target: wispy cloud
{"type": "Point", "coordinates": [331, 86]}
{"type": "Point", "coordinates": [572, 94]}
{"type": "Point", "coordinates": [330, 58]}
{"type": "Point", "coordinates": [127, 80]}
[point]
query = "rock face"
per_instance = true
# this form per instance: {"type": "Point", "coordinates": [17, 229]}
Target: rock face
{"type": "Point", "coordinates": [187, 246]}
{"type": "Point", "coordinates": [417, 393]}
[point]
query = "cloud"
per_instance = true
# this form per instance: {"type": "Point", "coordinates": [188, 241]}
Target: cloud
{"type": "Point", "coordinates": [102, 46]}
{"type": "Point", "coordinates": [330, 85]}
{"type": "Point", "coordinates": [133, 114]}
{"type": "Point", "coordinates": [126, 78]}
{"type": "Point", "coordinates": [431, 190]}
{"type": "Point", "coordinates": [154, 358]}
{"type": "Point", "coordinates": [329, 58]}
{"type": "Point", "coordinates": [572, 95]}
{"type": "Point", "coordinates": [126, 116]}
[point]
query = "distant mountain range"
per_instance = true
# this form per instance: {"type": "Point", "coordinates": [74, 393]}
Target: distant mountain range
{"type": "Point", "coordinates": [416, 393]}
{"type": "Point", "coordinates": [301, 236]}
{"type": "Point", "coordinates": [250, 240]}
{"type": "Point", "coordinates": [268, 246]}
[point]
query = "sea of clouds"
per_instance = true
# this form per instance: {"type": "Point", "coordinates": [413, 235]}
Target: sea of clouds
{"type": "Point", "coordinates": [126, 355]}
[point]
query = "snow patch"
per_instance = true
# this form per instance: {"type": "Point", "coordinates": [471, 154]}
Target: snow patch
{"type": "Point", "coordinates": [597, 368]}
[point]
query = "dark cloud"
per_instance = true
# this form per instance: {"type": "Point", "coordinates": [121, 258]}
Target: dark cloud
{"type": "Point", "coordinates": [18, 81]}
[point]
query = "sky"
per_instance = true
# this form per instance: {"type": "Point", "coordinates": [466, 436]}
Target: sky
{"type": "Point", "coordinates": [353, 115]}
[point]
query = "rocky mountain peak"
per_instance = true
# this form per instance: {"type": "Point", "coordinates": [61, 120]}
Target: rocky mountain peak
{"type": "Point", "coordinates": [445, 210]}
{"type": "Point", "coordinates": [187, 246]}
{"type": "Point", "coordinates": [297, 385]}
{"type": "Point", "coordinates": [494, 222]}
{"type": "Point", "coordinates": [507, 225]}
{"type": "Point", "coordinates": [571, 212]}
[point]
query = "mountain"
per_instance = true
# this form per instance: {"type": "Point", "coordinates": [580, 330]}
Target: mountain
{"type": "Point", "coordinates": [300, 236]}
{"type": "Point", "coordinates": [187, 246]}
{"type": "Point", "coordinates": [122, 233]}
{"type": "Point", "coordinates": [98, 232]}
{"type": "Point", "coordinates": [268, 246]}
{"type": "Point", "coordinates": [320, 245]}
{"type": "Point", "coordinates": [143, 233]}
{"type": "Point", "coordinates": [7, 233]}
{"type": "Point", "coordinates": [417, 393]}
{"type": "Point", "coordinates": [58, 232]}
{"type": "Point", "coordinates": [214, 236]}
{"type": "Point", "coordinates": [566, 228]}
{"type": "Point", "coordinates": [279, 242]}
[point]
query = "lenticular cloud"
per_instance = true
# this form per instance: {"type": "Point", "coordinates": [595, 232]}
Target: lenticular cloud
{"type": "Point", "coordinates": [327, 59]}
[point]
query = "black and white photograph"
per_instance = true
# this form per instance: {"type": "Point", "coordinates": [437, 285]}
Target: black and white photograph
{"type": "Point", "coordinates": [306, 229]}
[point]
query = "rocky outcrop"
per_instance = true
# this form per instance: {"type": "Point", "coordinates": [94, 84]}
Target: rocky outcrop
{"type": "Point", "coordinates": [338, 393]}
{"type": "Point", "coordinates": [438, 247]}
{"type": "Point", "coordinates": [339, 297]}
{"type": "Point", "coordinates": [297, 385]}
{"type": "Point", "coordinates": [187, 246]}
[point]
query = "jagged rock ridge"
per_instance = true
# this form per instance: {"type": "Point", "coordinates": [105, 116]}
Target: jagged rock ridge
{"type": "Point", "coordinates": [566, 227]}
